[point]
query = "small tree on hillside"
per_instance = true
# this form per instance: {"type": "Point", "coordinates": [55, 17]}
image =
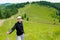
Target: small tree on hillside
{"type": "Point", "coordinates": [58, 16]}
{"type": "Point", "coordinates": [54, 16]}
{"type": "Point", "coordinates": [25, 15]}
{"type": "Point", "coordinates": [27, 19]}
{"type": "Point", "coordinates": [22, 17]}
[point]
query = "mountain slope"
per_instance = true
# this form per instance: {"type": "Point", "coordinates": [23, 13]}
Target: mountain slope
{"type": "Point", "coordinates": [40, 13]}
{"type": "Point", "coordinates": [39, 26]}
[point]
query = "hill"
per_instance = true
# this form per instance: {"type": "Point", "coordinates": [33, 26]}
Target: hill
{"type": "Point", "coordinates": [39, 27]}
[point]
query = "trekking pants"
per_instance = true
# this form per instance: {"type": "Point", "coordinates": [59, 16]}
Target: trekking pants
{"type": "Point", "coordinates": [21, 37]}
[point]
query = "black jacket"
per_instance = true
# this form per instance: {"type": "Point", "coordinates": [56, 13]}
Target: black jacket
{"type": "Point", "coordinates": [19, 28]}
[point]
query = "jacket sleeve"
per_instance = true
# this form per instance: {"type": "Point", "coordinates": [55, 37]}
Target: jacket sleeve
{"type": "Point", "coordinates": [12, 29]}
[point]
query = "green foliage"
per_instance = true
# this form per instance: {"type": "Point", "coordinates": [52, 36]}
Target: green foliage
{"type": "Point", "coordinates": [9, 10]}
{"type": "Point", "coordinates": [22, 17]}
{"type": "Point", "coordinates": [25, 15]}
{"type": "Point", "coordinates": [27, 19]}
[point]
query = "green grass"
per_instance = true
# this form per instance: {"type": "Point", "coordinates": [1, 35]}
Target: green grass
{"type": "Point", "coordinates": [39, 27]}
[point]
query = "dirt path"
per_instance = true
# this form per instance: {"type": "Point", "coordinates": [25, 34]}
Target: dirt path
{"type": "Point", "coordinates": [1, 22]}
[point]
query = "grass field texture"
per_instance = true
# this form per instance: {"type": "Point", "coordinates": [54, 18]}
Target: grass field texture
{"type": "Point", "coordinates": [39, 27]}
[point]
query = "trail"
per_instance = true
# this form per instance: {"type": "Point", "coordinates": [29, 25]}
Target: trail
{"type": "Point", "coordinates": [1, 22]}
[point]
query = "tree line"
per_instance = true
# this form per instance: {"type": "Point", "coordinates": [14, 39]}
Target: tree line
{"type": "Point", "coordinates": [7, 11]}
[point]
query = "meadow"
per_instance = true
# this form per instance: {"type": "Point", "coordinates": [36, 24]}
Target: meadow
{"type": "Point", "coordinates": [39, 27]}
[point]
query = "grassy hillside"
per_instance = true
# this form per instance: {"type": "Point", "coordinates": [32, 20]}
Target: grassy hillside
{"type": "Point", "coordinates": [39, 27]}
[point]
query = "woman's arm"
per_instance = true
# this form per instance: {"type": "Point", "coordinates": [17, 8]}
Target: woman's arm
{"type": "Point", "coordinates": [9, 32]}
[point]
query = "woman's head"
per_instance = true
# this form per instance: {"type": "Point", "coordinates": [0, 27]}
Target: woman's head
{"type": "Point", "coordinates": [19, 19]}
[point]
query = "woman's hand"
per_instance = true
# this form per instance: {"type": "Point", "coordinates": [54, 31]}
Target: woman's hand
{"type": "Point", "coordinates": [8, 33]}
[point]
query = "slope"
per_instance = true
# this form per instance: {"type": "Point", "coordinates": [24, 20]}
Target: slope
{"type": "Point", "coordinates": [39, 26]}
